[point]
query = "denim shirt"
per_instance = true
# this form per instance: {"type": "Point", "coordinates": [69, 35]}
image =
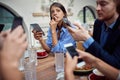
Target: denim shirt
{"type": "Point", "coordinates": [65, 37]}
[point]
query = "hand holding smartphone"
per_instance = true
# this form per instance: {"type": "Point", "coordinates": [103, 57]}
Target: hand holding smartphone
{"type": "Point", "coordinates": [37, 28]}
{"type": "Point", "coordinates": [66, 21]}
{"type": "Point", "coordinates": [70, 48]}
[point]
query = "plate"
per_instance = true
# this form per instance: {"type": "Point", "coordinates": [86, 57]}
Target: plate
{"type": "Point", "coordinates": [82, 71]}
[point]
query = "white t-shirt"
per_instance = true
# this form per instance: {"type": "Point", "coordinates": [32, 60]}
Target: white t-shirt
{"type": "Point", "coordinates": [118, 78]}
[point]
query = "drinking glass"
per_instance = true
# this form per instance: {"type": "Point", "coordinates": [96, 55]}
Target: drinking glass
{"type": "Point", "coordinates": [30, 70]}
{"type": "Point", "coordinates": [30, 63]}
{"type": "Point", "coordinates": [59, 62]}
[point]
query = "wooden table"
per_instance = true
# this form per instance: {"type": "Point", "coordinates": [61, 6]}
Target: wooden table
{"type": "Point", "coordinates": [46, 69]}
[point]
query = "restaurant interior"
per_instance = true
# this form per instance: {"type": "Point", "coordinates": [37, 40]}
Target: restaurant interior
{"type": "Point", "coordinates": [37, 12]}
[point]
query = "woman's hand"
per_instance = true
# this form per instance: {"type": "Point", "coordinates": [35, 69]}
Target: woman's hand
{"type": "Point", "coordinates": [53, 24]}
{"type": "Point", "coordinates": [37, 35]}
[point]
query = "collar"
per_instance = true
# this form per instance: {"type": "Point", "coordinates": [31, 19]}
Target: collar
{"type": "Point", "coordinates": [109, 27]}
{"type": "Point", "coordinates": [63, 29]}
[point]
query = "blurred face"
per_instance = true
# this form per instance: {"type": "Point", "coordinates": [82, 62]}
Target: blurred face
{"type": "Point", "coordinates": [56, 13]}
{"type": "Point", "coordinates": [106, 9]}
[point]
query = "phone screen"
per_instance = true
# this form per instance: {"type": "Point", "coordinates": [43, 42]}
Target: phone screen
{"type": "Point", "coordinates": [16, 22]}
{"type": "Point", "coordinates": [70, 48]}
{"type": "Point", "coordinates": [36, 27]}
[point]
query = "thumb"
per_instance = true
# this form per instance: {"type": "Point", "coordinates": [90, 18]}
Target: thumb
{"type": "Point", "coordinates": [71, 30]}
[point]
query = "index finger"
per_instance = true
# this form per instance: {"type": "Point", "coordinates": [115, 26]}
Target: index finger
{"type": "Point", "coordinates": [78, 25]}
{"type": "Point", "coordinates": [70, 29]}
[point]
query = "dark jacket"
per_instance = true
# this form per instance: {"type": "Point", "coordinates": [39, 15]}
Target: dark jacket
{"type": "Point", "coordinates": [110, 52]}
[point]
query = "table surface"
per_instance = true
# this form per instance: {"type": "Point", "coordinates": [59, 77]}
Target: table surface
{"type": "Point", "coordinates": [46, 69]}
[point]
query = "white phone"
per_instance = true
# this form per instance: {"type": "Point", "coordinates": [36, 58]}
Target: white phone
{"type": "Point", "coordinates": [70, 48]}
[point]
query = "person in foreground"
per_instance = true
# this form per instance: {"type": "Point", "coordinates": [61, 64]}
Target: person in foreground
{"type": "Point", "coordinates": [12, 48]}
{"type": "Point", "coordinates": [105, 42]}
{"type": "Point", "coordinates": [58, 35]}
{"type": "Point", "coordinates": [70, 64]}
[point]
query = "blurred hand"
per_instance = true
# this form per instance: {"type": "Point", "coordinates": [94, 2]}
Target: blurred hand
{"type": "Point", "coordinates": [70, 63]}
{"type": "Point", "coordinates": [3, 35]}
{"type": "Point", "coordinates": [14, 45]}
{"type": "Point", "coordinates": [79, 34]}
{"type": "Point", "coordinates": [87, 57]}
{"type": "Point", "coordinates": [37, 35]}
{"type": "Point", "coordinates": [53, 24]}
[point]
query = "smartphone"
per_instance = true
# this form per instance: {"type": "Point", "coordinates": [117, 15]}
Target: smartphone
{"type": "Point", "coordinates": [66, 21]}
{"type": "Point", "coordinates": [1, 27]}
{"type": "Point", "coordinates": [36, 27]}
{"type": "Point", "coordinates": [16, 22]}
{"type": "Point", "coordinates": [70, 48]}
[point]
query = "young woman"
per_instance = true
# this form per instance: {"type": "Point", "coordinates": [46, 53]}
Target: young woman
{"type": "Point", "coordinates": [58, 35]}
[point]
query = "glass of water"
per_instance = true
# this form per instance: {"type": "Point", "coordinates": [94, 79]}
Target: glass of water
{"type": "Point", "coordinates": [59, 62]}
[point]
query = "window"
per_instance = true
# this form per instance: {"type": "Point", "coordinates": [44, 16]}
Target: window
{"type": "Point", "coordinates": [6, 17]}
{"type": "Point", "coordinates": [87, 15]}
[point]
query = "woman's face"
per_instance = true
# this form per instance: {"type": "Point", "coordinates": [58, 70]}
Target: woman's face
{"type": "Point", "coordinates": [56, 13]}
{"type": "Point", "coordinates": [106, 9]}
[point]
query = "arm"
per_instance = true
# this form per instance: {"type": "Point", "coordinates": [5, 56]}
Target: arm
{"type": "Point", "coordinates": [106, 69]}
{"type": "Point", "coordinates": [9, 64]}
{"type": "Point", "coordinates": [112, 58]}
{"type": "Point", "coordinates": [38, 36]}
{"type": "Point", "coordinates": [70, 65]}
{"type": "Point", "coordinates": [103, 67]}
{"type": "Point", "coordinates": [53, 26]}
{"type": "Point", "coordinates": [113, 47]}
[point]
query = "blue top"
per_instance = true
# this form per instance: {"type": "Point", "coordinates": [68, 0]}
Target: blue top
{"type": "Point", "coordinates": [65, 37]}
{"type": "Point", "coordinates": [104, 34]}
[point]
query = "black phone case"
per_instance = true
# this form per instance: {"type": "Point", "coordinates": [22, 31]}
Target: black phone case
{"type": "Point", "coordinates": [37, 28]}
{"type": "Point", "coordinates": [72, 51]}
{"type": "Point", "coordinates": [16, 22]}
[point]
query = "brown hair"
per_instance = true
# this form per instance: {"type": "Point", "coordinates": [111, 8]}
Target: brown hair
{"type": "Point", "coordinates": [56, 4]}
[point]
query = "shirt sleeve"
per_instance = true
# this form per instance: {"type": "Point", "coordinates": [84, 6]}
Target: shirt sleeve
{"type": "Point", "coordinates": [88, 42]}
